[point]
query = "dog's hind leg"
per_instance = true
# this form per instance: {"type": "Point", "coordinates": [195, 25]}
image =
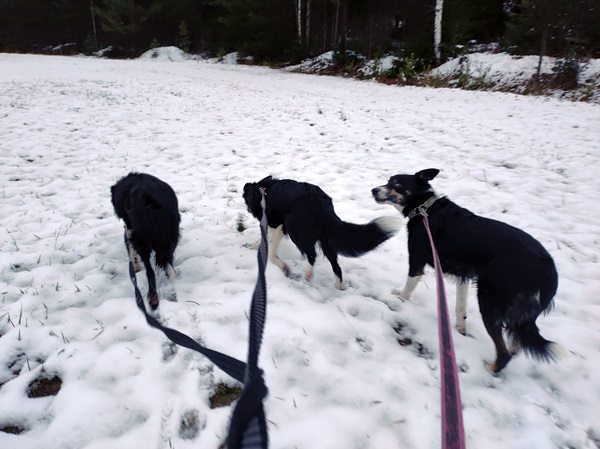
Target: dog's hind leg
{"type": "Point", "coordinates": [274, 237]}
{"type": "Point", "coordinates": [409, 287]}
{"type": "Point", "coordinates": [170, 272]}
{"type": "Point", "coordinates": [332, 257]}
{"type": "Point", "coordinates": [152, 293]}
{"type": "Point", "coordinates": [133, 255]}
{"type": "Point", "coordinates": [494, 329]}
{"type": "Point", "coordinates": [462, 292]}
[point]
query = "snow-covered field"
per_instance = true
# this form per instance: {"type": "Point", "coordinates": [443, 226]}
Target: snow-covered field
{"type": "Point", "coordinates": [337, 375]}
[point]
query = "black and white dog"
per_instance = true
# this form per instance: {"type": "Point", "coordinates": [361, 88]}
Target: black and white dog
{"type": "Point", "coordinates": [148, 206]}
{"type": "Point", "coordinates": [305, 213]}
{"type": "Point", "coordinates": [515, 276]}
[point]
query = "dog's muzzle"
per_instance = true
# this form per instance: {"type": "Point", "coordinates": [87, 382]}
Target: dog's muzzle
{"type": "Point", "coordinates": [383, 195]}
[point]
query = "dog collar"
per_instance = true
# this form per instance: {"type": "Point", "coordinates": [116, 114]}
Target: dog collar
{"type": "Point", "coordinates": [422, 209]}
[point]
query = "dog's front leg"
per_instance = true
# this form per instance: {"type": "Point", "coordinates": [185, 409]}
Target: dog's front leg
{"type": "Point", "coordinates": [274, 237]}
{"type": "Point", "coordinates": [462, 291]}
{"type": "Point", "coordinates": [411, 284]}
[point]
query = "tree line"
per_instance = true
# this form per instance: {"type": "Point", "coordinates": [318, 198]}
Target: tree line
{"type": "Point", "coordinates": [290, 30]}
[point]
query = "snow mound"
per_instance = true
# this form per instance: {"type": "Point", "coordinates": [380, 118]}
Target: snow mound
{"type": "Point", "coordinates": [508, 70]}
{"type": "Point", "coordinates": [376, 67]}
{"type": "Point", "coordinates": [166, 54]}
{"type": "Point", "coordinates": [314, 65]}
{"type": "Point", "coordinates": [500, 68]}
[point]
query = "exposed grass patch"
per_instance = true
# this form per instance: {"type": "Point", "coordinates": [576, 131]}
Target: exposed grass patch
{"type": "Point", "coordinates": [15, 429]}
{"type": "Point", "coordinates": [240, 225]}
{"type": "Point", "coordinates": [44, 385]}
{"type": "Point", "coordinates": [224, 395]}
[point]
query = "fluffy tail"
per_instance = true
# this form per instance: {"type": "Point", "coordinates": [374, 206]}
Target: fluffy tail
{"type": "Point", "coordinates": [353, 240]}
{"type": "Point", "coordinates": [527, 336]}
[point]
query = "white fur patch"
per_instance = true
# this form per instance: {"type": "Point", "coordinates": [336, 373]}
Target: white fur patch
{"type": "Point", "coordinates": [557, 351]}
{"type": "Point", "coordinates": [389, 224]}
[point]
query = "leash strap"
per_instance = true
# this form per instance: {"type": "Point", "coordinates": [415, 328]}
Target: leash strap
{"type": "Point", "coordinates": [453, 431]}
{"type": "Point", "coordinates": [248, 426]}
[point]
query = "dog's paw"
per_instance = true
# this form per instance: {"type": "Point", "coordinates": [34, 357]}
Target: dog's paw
{"type": "Point", "coordinates": [254, 245]}
{"type": "Point", "coordinates": [462, 329]}
{"type": "Point", "coordinates": [490, 367]}
{"type": "Point", "coordinates": [400, 295]}
{"type": "Point", "coordinates": [153, 302]}
{"type": "Point", "coordinates": [340, 285]}
{"type": "Point", "coordinates": [494, 368]}
{"type": "Point", "coordinates": [309, 274]}
{"type": "Point", "coordinates": [168, 292]}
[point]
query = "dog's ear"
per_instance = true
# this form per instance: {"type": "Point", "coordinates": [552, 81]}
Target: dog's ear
{"type": "Point", "coordinates": [427, 175]}
{"type": "Point", "coordinates": [268, 178]}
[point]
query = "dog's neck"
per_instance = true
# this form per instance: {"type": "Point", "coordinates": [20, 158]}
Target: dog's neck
{"type": "Point", "coordinates": [420, 207]}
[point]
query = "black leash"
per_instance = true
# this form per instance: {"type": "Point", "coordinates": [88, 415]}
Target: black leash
{"type": "Point", "coordinates": [453, 431]}
{"type": "Point", "coordinates": [248, 426]}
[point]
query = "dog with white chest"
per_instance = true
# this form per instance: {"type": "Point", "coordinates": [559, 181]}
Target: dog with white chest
{"type": "Point", "coordinates": [515, 276]}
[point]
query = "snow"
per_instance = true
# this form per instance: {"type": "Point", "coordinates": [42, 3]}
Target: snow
{"type": "Point", "coordinates": [166, 54]}
{"type": "Point", "coordinates": [337, 375]}
{"type": "Point", "coordinates": [489, 70]}
{"type": "Point", "coordinates": [509, 70]}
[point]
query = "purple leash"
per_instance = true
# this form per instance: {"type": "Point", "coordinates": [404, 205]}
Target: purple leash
{"type": "Point", "coordinates": [453, 431]}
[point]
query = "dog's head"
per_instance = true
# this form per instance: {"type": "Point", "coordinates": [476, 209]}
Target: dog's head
{"type": "Point", "coordinates": [253, 197]}
{"type": "Point", "coordinates": [401, 189]}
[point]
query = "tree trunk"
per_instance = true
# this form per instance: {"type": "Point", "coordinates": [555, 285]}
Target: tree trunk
{"type": "Point", "coordinates": [299, 19]}
{"type": "Point", "coordinates": [542, 53]}
{"type": "Point", "coordinates": [307, 25]}
{"type": "Point", "coordinates": [437, 32]}
{"type": "Point", "coordinates": [94, 25]}
{"type": "Point", "coordinates": [335, 28]}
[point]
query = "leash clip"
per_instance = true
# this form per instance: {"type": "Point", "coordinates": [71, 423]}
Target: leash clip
{"type": "Point", "coordinates": [263, 190]}
{"type": "Point", "coordinates": [422, 210]}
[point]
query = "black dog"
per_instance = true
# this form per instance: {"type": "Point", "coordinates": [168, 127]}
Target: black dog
{"type": "Point", "coordinates": [148, 206]}
{"type": "Point", "coordinates": [305, 213]}
{"type": "Point", "coordinates": [516, 277]}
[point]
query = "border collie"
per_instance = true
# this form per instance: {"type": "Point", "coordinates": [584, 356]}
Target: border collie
{"type": "Point", "coordinates": [148, 206]}
{"type": "Point", "coordinates": [305, 213]}
{"type": "Point", "coordinates": [515, 276]}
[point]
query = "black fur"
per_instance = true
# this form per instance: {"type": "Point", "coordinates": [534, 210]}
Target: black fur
{"type": "Point", "coordinates": [307, 215]}
{"type": "Point", "coordinates": [516, 277]}
{"type": "Point", "coordinates": [149, 208]}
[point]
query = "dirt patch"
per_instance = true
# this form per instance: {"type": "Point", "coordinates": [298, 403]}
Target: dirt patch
{"type": "Point", "coordinates": [44, 385]}
{"type": "Point", "coordinates": [224, 395]}
{"type": "Point", "coordinates": [15, 429]}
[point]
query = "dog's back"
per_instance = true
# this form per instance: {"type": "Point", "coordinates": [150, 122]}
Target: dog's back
{"type": "Point", "coordinates": [471, 246]}
{"type": "Point", "coordinates": [150, 210]}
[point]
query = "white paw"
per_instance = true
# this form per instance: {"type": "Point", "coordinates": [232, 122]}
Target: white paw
{"type": "Point", "coordinates": [340, 285]}
{"type": "Point", "coordinates": [400, 295]}
{"type": "Point", "coordinates": [254, 245]}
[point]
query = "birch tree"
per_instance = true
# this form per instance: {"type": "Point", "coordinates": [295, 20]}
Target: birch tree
{"type": "Point", "coordinates": [299, 19]}
{"type": "Point", "coordinates": [437, 32]}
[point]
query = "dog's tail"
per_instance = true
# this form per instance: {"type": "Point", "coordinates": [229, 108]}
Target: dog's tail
{"type": "Point", "coordinates": [527, 336]}
{"type": "Point", "coordinates": [353, 240]}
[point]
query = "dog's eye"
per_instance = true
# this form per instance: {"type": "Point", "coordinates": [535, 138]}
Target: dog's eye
{"type": "Point", "coordinates": [397, 187]}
